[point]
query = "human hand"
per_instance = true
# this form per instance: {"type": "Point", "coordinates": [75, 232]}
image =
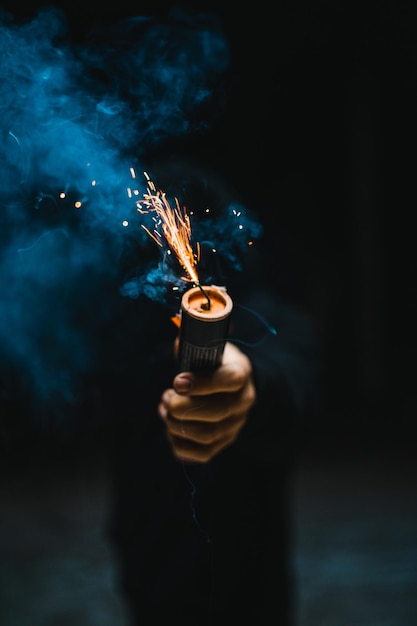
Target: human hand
{"type": "Point", "coordinates": [205, 411]}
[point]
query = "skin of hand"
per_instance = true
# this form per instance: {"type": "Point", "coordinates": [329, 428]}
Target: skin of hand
{"type": "Point", "coordinates": [205, 411]}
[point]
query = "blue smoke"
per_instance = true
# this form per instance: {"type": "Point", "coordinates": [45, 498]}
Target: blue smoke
{"type": "Point", "coordinates": [227, 236]}
{"type": "Point", "coordinates": [73, 120]}
{"type": "Point", "coordinates": [71, 114]}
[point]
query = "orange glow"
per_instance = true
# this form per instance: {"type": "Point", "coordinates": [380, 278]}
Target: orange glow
{"type": "Point", "coordinates": [194, 303]}
{"type": "Point", "coordinates": [176, 229]}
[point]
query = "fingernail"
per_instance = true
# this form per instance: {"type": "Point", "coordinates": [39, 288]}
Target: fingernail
{"type": "Point", "coordinates": [183, 383]}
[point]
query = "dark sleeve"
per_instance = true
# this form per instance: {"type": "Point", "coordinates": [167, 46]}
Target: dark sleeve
{"type": "Point", "coordinates": [282, 343]}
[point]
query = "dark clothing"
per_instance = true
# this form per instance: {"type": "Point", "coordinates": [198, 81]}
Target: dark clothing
{"type": "Point", "coordinates": [210, 544]}
{"type": "Point", "coordinates": [81, 363]}
{"type": "Point", "coordinates": [205, 544]}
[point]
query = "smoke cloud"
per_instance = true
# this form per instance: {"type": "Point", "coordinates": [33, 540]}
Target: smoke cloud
{"type": "Point", "coordinates": [74, 120]}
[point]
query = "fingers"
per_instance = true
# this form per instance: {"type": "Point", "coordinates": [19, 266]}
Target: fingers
{"type": "Point", "coordinates": [193, 444]}
{"type": "Point", "coordinates": [205, 411]}
{"type": "Point", "coordinates": [230, 376]}
{"type": "Point", "coordinates": [199, 427]}
{"type": "Point", "coordinates": [200, 434]}
{"type": "Point", "coordinates": [210, 408]}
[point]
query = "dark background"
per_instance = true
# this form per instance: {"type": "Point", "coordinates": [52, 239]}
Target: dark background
{"type": "Point", "coordinates": [319, 135]}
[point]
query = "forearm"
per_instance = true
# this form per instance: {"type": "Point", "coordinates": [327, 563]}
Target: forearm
{"type": "Point", "coordinates": [283, 347]}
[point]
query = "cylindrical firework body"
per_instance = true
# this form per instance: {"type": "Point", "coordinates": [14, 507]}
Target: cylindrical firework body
{"type": "Point", "coordinates": [203, 330]}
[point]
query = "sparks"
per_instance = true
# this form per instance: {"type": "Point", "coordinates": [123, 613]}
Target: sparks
{"type": "Point", "coordinates": [175, 226]}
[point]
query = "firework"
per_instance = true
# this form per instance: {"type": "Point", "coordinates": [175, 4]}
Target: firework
{"type": "Point", "coordinates": [205, 310]}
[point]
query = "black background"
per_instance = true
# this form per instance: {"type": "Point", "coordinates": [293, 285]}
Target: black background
{"type": "Point", "coordinates": [319, 136]}
{"type": "Point", "coordinates": [319, 132]}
